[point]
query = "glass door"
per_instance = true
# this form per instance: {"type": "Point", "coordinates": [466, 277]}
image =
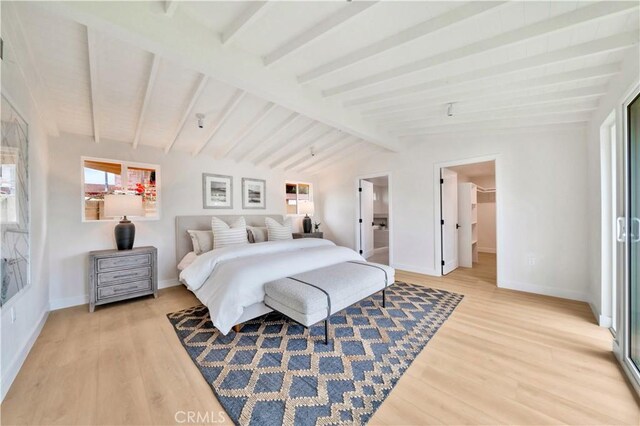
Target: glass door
{"type": "Point", "coordinates": [633, 225]}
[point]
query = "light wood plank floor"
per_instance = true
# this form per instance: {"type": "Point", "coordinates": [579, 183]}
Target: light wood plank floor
{"type": "Point", "coordinates": [503, 357]}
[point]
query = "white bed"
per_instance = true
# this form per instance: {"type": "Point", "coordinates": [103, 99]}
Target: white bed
{"type": "Point", "coordinates": [230, 280]}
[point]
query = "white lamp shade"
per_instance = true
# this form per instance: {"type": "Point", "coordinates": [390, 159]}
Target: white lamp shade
{"type": "Point", "coordinates": [306, 207]}
{"type": "Point", "coordinates": [123, 205]}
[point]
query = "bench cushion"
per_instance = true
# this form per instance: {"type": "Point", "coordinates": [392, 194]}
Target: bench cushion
{"type": "Point", "coordinates": [346, 283]}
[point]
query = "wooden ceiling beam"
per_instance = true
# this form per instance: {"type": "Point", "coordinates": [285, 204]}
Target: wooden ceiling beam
{"type": "Point", "coordinates": [229, 108]}
{"type": "Point", "coordinates": [500, 123]}
{"type": "Point", "coordinates": [338, 157]}
{"type": "Point", "coordinates": [195, 95]}
{"type": "Point", "coordinates": [415, 32]}
{"type": "Point", "coordinates": [603, 45]}
{"type": "Point", "coordinates": [558, 23]}
{"type": "Point", "coordinates": [334, 146]}
{"type": "Point", "coordinates": [265, 145]}
{"type": "Point", "coordinates": [243, 133]}
{"type": "Point", "coordinates": [497, 89]}
{"type": "Point", "coordinates": [298, 145]}
{"type": "Point", "coordinates": [318, 148]}
{"type": "Point", "coordinates": [133, 23]}
{"type": "Point", "coordinates": [151, 81]}
{"type": "Point", "coordinates": [249, 15]}
{"type": "Point", "coordinates": [319, 30]}
{"type": "Point", "coordinates": [279, 147]}
{"type": "Point", "coordinates": [574, 98]}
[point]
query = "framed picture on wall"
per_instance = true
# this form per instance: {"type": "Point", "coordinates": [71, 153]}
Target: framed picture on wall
{"type": "Point", "coordinates": [15, 220]}
{"type": "Point", "coordinates": [217, 191]}
{"type": "Point", "coordinates": [254, 193]}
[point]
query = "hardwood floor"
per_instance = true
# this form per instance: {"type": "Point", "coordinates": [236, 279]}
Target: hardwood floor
{"type": "Point", "coordinates": [503, 357]}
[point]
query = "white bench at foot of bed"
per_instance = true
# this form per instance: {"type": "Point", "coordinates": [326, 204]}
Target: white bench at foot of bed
{"type": "Point", "coordinates": [314, 296]}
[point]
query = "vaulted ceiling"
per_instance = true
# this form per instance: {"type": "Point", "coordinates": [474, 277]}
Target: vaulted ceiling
{"type": "Point", "coordinates": [277, 79]}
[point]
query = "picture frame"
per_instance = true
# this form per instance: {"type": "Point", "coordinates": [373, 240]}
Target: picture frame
{"type": "Point", "coordinates": [15, 204]}
{"type": "Point", "coordinates": [217, 191]}
{"type": "Point", "coordinates": [254, 193]}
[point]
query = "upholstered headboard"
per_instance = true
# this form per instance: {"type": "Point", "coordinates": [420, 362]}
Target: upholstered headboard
{"type": "Point", "coordinates": [184, 223]}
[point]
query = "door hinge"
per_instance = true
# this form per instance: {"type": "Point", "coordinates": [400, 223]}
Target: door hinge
{"type": "Point", "coordinates": [441, 181]}
{"type": "Point", "coordinates": [443, 263]}
{"type": "Point", "coordinates": [360, 220]}
{"type": "Point", "coordinates": [457, 225]}
{"type": "Point", "coordinates": [359, 189]}
{"type": "Point", "coordinates": [441, 221]}
{"type": "Point", "coordinates": [360, 251]}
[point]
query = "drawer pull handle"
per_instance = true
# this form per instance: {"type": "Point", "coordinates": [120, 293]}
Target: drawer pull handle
{"type": "Point", "coordinates": [117, 290]}
{"type": "Point", "coordinates": [115, 277]}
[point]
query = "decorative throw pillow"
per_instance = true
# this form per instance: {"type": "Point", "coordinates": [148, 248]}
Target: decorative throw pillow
{"type": "Point", "coordinates": [225, 235]}
{"type": "Point", "coordinates": [202, 241]}
{"type": "Point", "coordinates": [276, 231]}
{"type": "Point", "coordinates": [258, 233]}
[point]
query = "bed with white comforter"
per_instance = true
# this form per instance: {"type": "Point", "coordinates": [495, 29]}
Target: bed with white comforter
{"type": "Point", "coordinates": [231, 280]}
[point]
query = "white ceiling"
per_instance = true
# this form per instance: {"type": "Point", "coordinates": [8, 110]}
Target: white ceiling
{"type": "Point", "coordinates": [277, 78]}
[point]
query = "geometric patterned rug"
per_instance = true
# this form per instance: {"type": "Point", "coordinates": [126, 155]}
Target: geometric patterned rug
{"type": "Point", "coordinates": [275, 371]}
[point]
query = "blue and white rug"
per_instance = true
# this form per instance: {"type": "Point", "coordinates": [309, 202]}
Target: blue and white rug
{"type": "Point", "coordinates": [276, 372]}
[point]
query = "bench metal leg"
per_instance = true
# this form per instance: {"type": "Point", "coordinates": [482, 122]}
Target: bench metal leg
{"type": "Point", "coordinates": [384, 298]}
{"type": "Point", "coordinates": [326, 331]}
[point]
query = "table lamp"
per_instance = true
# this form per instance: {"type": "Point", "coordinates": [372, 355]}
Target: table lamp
{"type": "Point", "coordinates": [306, 208]}
{"type": "Point", "coordinates": [116, 205]}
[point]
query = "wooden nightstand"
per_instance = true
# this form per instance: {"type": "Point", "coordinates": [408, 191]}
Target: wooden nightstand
{"type": "Point", "coordinates": [297, 235]}
{"type": "Point", "coordinates": [116, 275]}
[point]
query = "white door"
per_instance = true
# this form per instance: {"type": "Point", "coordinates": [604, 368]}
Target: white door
{"type": "Point", "coordinates": [366, 218]}
{"type": "Point", "coordinates": [449, 219]}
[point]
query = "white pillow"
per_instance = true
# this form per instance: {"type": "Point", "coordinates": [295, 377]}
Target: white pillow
{"type": "Point", "coordinates": [225, 235]}
{"type": "Point", "coordinates": [202, 241]}
{"type": "Point", "coordinates": [259, 233]}
{"type": "Point", "coordinates": [187, 260]}
{"type": "Point", "coordinates": [277, 232]}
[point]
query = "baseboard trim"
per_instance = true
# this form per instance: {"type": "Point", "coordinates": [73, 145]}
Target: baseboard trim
{"type": "Point", "coordinates": [487, 250]}
{"type": "Point", "coordinates": [169, 283]}
{"type": "Point", "coordinates": [416, 269]}
{"type": "Point", "coordinates": [69, 302]}
{"type": "Point", "coordinates": [602, 320]}
{"type": "Point", "coordinates": [16, 363]}
{"type": "Point", "coordinates": [546, 291]}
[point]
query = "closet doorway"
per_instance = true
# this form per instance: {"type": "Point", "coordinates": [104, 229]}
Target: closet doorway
{"type": "Point", "coordinates": [468, 219]}
{"type": "Point", "coordinates": [374, 218]}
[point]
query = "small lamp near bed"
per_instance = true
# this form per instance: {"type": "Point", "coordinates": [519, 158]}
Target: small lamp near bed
{"type": "Point", "coordinates": [123, 206]}
{"type": "Point", "coordinates": [306, 208]}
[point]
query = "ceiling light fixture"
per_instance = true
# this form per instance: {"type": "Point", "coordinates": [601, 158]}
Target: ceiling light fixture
{"type": "Point", "coordinates": [200, 118]}
{"type": "Point", "coordinates": [450, 109]}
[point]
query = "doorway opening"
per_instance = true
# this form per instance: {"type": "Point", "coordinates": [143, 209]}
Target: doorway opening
{"type": "Point", "coordinates": [468, 219]}
{"type": "Point", "coordinates": [374, 218]}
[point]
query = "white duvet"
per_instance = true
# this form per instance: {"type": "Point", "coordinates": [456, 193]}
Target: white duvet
{"type": "Point", "coordinates": [230, 279]}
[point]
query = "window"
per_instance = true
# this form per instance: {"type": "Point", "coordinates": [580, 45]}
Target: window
{"type": "Point", "coordinates": [101, 177]}
{"type": "Point", "coordinates": [296, 192]}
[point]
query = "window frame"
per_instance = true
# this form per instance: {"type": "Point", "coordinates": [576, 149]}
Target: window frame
{"type": "Point", "coordinates": [125, 166]}
{"type": "Point", "coordinates": [296, 182]}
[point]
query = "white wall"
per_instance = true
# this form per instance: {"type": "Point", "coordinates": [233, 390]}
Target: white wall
{"type": "Point", "coordinates": [541, 175]}
{"type": "Point", "coordinates": [31, 305]}
{"type": "Point", "coordinates": [181, 194]}
{"type": "Point", "coordinates": [618, 91]}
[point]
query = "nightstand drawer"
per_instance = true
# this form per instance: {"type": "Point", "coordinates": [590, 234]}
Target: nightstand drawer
{"type": "Point", "coordinates": [120, 289]}
{"type": "Point", "coordinates": [108, 278]}
{"type": "Point", "coordinates": [123, 262]}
